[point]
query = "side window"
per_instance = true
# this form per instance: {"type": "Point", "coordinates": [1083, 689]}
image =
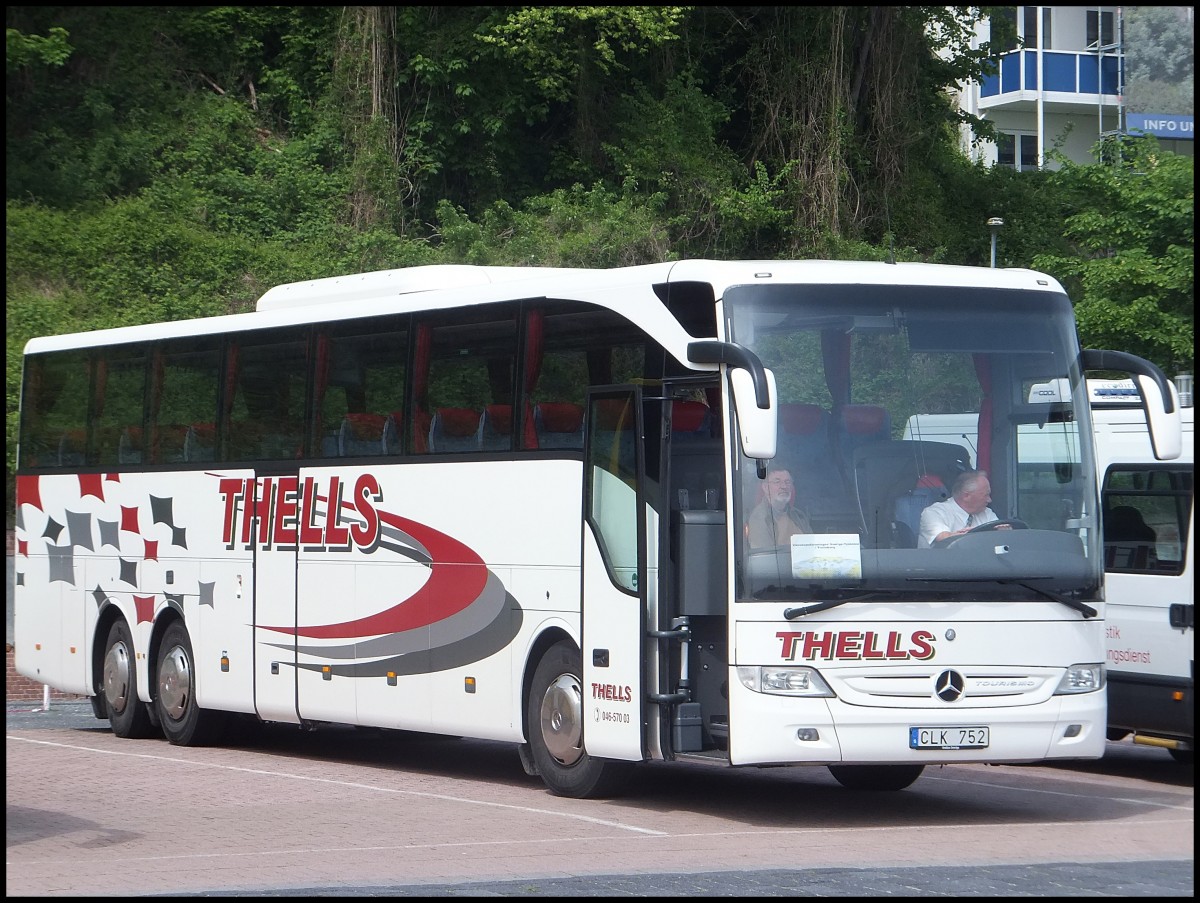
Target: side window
{"type": "Point", "coordinates": [558, 380]}
{"type": "Point", "coordinates": [581, 346]}
{"type": "Point", "coordinates": [1146, 516]}
{"type": "Point", "coordinates": [117, 416]}
{"type": "Point", "coordinates": [360, 385]}
{"type": "Point", "coordinates": [268, 373]}
{"type": "Point", "coordinates": [183, 401]}
{"type": "Point", "coordinates": [465, 385]}
{"type": "Point", "coordinates": [54, 410]}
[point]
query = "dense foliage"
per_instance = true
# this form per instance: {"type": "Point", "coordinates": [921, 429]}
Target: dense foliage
{"type": "Point", "coordinates": [170, 162]}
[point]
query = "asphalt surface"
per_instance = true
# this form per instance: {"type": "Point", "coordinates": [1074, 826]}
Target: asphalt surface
{"type": "Point", "coordinates": [1143, 879]}
{"type": "Point", "coordinates": [1153, 878]}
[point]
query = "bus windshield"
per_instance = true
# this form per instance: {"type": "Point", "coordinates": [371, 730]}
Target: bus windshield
{"type": "Point", "coordinates": [894, 403]}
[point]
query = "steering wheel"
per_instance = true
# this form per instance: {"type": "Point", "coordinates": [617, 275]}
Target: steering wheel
{"type": "Point", "coordinates": [1012, 522]}
{"type": "Point", "coordinates": [995, 524]}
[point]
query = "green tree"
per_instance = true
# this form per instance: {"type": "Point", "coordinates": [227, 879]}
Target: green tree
{"type": "Point", "coordinates": [1131, 268]}
{"type": "Point", "coordinates": [1160, 53]}
{"type": "Point", "coordinates": [22, 50]}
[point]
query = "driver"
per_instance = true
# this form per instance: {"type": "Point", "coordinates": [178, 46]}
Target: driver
{"type": "Point", "coordinates": [962, 512]}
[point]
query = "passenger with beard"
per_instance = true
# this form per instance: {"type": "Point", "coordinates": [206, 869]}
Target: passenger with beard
{"type": "Point", "coordinates": [775, 519]}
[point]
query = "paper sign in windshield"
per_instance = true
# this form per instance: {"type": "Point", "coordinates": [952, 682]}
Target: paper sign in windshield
{"type": "Point", "coordinates": [826, 555]}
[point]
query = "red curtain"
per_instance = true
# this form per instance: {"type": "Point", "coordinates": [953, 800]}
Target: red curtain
{"type": "Point", "coordinates": [421, 416]}
{"type": "Point", "coordinates": [534, 330]}
{"type": "Point", "coordinates": [984, 453]}
{"type": "Point", "coordinates": [322, 382]}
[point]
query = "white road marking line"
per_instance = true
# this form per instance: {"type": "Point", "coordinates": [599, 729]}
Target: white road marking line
{"type": "Point", "coordinates": [352, 784]}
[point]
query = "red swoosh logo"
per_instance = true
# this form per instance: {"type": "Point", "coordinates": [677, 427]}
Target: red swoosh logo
{"type": "Point", "coordinates": [457, 577]}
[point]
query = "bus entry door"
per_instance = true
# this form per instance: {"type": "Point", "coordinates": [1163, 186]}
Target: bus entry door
{"type": "Point", "coordinates": [615, 579]}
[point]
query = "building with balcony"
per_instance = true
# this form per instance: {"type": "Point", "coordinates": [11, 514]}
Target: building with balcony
{"type": "Point", "coordinates": [1062, 86]}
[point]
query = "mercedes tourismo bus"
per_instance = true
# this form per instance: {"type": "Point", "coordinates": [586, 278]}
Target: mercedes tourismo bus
{"type": "Point", "coordinates": [516, 504]}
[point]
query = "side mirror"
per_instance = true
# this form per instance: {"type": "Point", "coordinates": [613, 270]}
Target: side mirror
{"type": "Point", "coordinates": [754, 395]}
{"type": "Point", "coordinates": [1166, 429]}
{"type": "Point", "coordinates": [1160, 398]}
{"type": "Point", "coordinates": [757, 427]}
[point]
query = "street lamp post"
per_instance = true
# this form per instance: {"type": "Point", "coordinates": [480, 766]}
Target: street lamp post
{"type": "Point", "coordinates": [995, 224]}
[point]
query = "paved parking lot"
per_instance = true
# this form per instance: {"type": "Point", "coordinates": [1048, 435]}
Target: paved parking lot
{"type": "Point", "coordinates": [280, 812]}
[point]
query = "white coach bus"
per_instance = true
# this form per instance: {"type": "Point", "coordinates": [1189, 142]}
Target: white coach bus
{"type": "Point", "coordinates": [529, 505]}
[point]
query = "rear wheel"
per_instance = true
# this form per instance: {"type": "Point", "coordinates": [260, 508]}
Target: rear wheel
{"type": "Point", "coordinates": [183, 722]}
{"type": "Point", "coordinates": [876, 777]}
{"type": "Point", "coordinates": [554, 713]}
{"type": "Point", "coordinates": [125, 712]}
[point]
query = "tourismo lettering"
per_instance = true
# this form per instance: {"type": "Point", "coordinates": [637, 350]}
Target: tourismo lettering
{"type": "Point", "coordinates": [855, 645]}
{"type": "Point", "coordinates": [284, 513]}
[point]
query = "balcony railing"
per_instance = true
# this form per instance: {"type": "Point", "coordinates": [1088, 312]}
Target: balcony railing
{"type": "Point", "coordinates": [1062, 71]}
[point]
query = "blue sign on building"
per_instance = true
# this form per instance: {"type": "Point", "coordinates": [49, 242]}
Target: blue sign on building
{"type": "Point", "coordinates": [1161, 125]}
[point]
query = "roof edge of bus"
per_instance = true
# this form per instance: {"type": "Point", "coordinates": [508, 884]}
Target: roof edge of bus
{"type": "Point", "coordinates": [442, 277]}
{"type": "Point", "coordinates": [402, 281]}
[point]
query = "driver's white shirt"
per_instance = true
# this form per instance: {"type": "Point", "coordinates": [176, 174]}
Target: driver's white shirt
{"type": "Point", "coordinates": [949, 517]}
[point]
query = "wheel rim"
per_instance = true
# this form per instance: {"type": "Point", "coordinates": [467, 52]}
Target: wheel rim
{"type": "Point", "coordinates": [116, 676]}
{"type": "Point", "coordinates": [175, 683]}
{"type": "Point", "coordinates": [561, 719]}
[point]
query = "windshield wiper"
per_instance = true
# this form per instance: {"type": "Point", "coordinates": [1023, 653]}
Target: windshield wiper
{"type": "Point", "coordinates": [1086, 610]}
{"type": "Point", "coordinates": [792, 613]}
{"type": "Point", "coordinates": [1082, 607]}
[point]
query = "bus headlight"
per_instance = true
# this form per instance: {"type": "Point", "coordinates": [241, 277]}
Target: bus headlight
{"type": "Point", "coordinates": [783, 681]}
{"type": "Point", "coordinates": [1081, 679]}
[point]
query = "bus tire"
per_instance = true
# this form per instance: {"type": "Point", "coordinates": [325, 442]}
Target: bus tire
{"type": "Point", "coordinates": [555, 717]}
{"type": "Point", "coordinates": [99, 705]}
{"type": "Point", "coordinates": [876, 777]}
{"type": "Point", "coordinates": [127, 714]}
{"type": "Point", "coordinates": [183, 722]}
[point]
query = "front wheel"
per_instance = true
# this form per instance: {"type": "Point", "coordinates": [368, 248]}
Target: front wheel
{"type": "Point", "coordinates": [183, 722]}
{"type": "Point", "coordinates": [127, 714]}
{"type": "Point", "coordinates": [554, 713]}
{"type": "Point", "coordinates": [876, 777]}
